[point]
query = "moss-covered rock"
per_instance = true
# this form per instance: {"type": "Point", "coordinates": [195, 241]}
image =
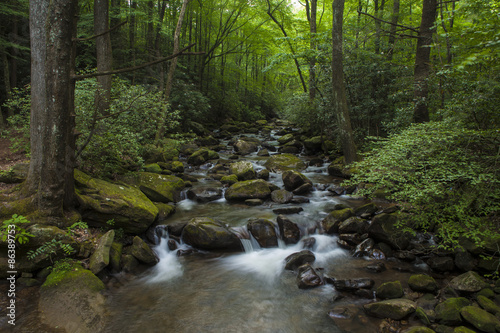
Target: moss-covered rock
{"type": "Point", "coordinates": [395, 309]}
{"type": "Point", "coordinates": [423, 283]}
{"type": "Point", "coordinates": [101, 201]}
{"type": "Point", "coordinates": [158, 188]}
{"type": "Point", "coordinates": [243, 170]}
{"type": "Point", "coordinates": [153, 167]}
{"type": "Point", "coordinates": [285, 138]}
{"type": "Point", "coordinates": [208, 234]}
{"type": "Point", "coordinates": [281, 196]}
{"type": "Point", "coordinates": [244, 146]}
{"type": "Point", "coordinates": [390, 290]}
{"type": "Point", "coordinates": [204, 193]}
{"type": "Point", "coordinates": [264, 231]}
{"type": "Point", "coordinates": [142, 252]}
{"type": "Point", "coordinates": [488, 305]}
{"type": "Point", "coordinates": [367, 209]}
{"type": "Point", "coordinates": [283, 162]}
{"type": "Point", "coordinates": [293, 179]}
{"type": "Point", "coordinates": [480, 319]}
{"type": "Point", "coordinates": [419, 329]}
{"type": "Point", "coordinates": [229, 180]}
{"type": "Point", "coordinates": [462, 329]}
{"type": "Point", "coordinates": [331, 223]}
{"type": "Point", "coordinates": [174, 166]}
{"type": "Point", "coordinates": [448, 312]}
{"type": "Point", "coordinates": [201, 156]}
{"type": "Point", "coordinates": [249, 189]}
{"type": "Point", "coordinates": [384, 229]}
{"type": "Point", "coordinates": [313, 145]}
{"type": "Point", "coordinates": [72, 299]}
{"type": "Point", "coordinates": [164, 210]}
{"type": "Point", "coordinates": [100, 258]}
{"type": "Point", "coordinates": [468, 282]}
{"type": "Point", "coordinates": [115, 255]}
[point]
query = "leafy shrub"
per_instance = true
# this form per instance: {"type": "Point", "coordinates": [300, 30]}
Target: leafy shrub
{"type": "Point", "coordinates": [20, 105]}
{"type": "Point", "coordinates": [446, 175]}
{"type": "Point", "coordinates": [13, 226]}
{"type": "Point", "coordinates": [50, 249]}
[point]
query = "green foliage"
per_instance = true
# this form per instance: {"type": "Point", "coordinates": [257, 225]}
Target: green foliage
{"type": "Point", "coordinates": [63, 265]}
{"type": "Point", "coordinates": [13, 227]}
{"type": "Point", "coordinates": [50, 248]}
{"type": "Point", "coordinates": [446, 174]}
{"type": "Point", "coordinates": [77, 226]}
{"type": "Point", "coordinates": [20, 105]}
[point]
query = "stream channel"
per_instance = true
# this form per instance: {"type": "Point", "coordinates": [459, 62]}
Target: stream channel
{"type": "Point", "coordinates": [241, 292]}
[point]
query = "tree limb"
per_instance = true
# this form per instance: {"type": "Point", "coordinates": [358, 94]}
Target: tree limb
{"type": "Point", "coordinates": [397, 25]}
{"type": "Point", "coordinates": [101, 34]}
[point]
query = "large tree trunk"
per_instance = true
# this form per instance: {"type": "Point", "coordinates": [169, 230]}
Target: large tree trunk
{"type": "Point", "coordinates": [52, 109]}
{"type": "Point", "coordinates": [312, 62]}
{"type": "Point", "coordinates": [422, 61]}
{"type": "Point", "coordinates": [340, 105]}
{"type": "Point", "coordinates": [104, 55]}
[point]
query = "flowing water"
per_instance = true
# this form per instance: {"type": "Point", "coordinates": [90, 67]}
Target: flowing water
{"type": "Point", "coordinates": [236, 292]}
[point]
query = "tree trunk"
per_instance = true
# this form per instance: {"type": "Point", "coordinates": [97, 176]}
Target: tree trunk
{"type": "Point", "coordinates": [312, 61]}
{"type": "Point", "coordinates": [52, 109]}
{"type": "Point", "coordinates": [392, 35]}
{"type": "Point", "coordinates": [104, 55]}
{"type": "Point", "coordinates": [422, 61]}
{"type": "Point", "coordinates": [340, 105]}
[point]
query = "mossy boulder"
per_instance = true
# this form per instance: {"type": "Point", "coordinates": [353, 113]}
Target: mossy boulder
{"type": "Point", "coordinates": [164, 210]}
{"type": "Point", "coordinates": [395, 309]}
{"type": "Point", "coordinates": [332, 221]}
{"type": "Point", "coordinates": [173, 166]}
{"type": "Point", "coordinates": [245, 147]}
{"type": "Point", "coordinates": [115, 254]}
{"type": "Point", "coordinates": [264, 231]}
{"type": "Point", "coordinates": [313, 145]}
{"type": "Point", "coordinates": [390, 290]}
{"type": "Point", "coordinates": [100, 201]}
{"type": "Point", "coordinates": [469, 282]}
{"type": "Point", "coordinates": [243, 170]}
{"type": "Point", "coordinates": [488, 305]}
{"type": "Point", "coordinates": [463, 329]}
{"type": "Point", "coordinates": [419, 329]}
{"type": "Point", "coordinates": [366, 210]}
{"type": "Point", "coordinates": [201, 156]}
{"type": "Point", "coordinates": [293, 179]}
{"type": "Point", "coordinates": [229, 180]}
{"type": "Point", "coordinates": [423, 283]}
{"type": "Point", "coordinates": [281, 196]}
{"type": "Point", "coordinates": [100, 258]}
{"type": "Point", "coordinates": [249, 189]}
{"type": "Point", "coordinates": [153, 167]}
{"type": "Point", "coordinates": [204, 193]}
{"type": "Point", "coordinates": [207, 234]}
{"type": "Point", "coordinates": [289, 231]}
{"type": "Point", "coordinates": [384, 229]}
{"type": "Point", "coordinates": [337, 170]}
{"type": "Point", "coordinates": [72, 300]}
{"type": "Point", "coordinates": [158, 188]}
{"type": "Point", "coordinates": [285, 138]}
{"type": "Point", "coordinates": [142, 252]}
{"type": "Point", "coordinates": [283, 162]}
{"type": "Point", "coordinates": [448, 312]}
{"type": "Point", "coordinates": [480, 319]}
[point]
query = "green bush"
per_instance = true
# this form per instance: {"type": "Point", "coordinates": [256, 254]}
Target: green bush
{"type": "Point", "coordinates": [445, 175]}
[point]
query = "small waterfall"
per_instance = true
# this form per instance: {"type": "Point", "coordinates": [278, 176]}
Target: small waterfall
{"type": "Point", "coordinates": [169, 266]}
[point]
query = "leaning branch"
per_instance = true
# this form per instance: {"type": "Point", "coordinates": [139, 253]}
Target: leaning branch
{"type": "Point", "coordinates": [131, 69]}
{"type": "Point", "coordinates": [101, 34]}
{"type": "Point", "coordinates": [395, 24]}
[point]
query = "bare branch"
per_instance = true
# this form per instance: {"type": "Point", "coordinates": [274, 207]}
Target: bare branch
{"type": "Point", "coordinates": [101, 34]}
{"type": "Point", "coordinates": [397, 25]}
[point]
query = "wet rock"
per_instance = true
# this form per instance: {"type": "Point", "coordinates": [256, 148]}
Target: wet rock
{"type": "Point", "coordinates": [229, 180]}
{"type": "Point", "coordinates": [423, 316]}
{"type": "Point", "coordinates": [390, 290]}
{"type": "Point", "coordinates": [464, 261]}
{"type": "Point", "coordinates": [313, 145]}
{"type": "Point", "coordinates": [344, 245]}
{"type": "Point", "coordinates": [264, 231]}
{"type": "Point", "coordinates": [307, 277]}
{"type": "Point", "coordinates": [377, 267]}
{"type": "Point", "coordinates": [468, 282]}
{"type": "Point", "coordinates": [423, 283]}
{"type": "Point", "coordinates": [335, 170]}
{"type": "Point", "coordinates": [263, 174]}
{"type": "Point", "coordinates": [395, 309]}
{"type": "Point", "coordinates": [285, 138]}
{"type": "Point", "coordinates": [164, 210]}
{"type": "Point", "coordinates": [289, 150]}
{"type": "Point", "coordinates": [142, 252]}
{"type": "Point", "coordinates": [342, 312]}
{"type": "Point", "coordinates": [172, 245]}
{"type": "Point", "coordinates": [158, 188]}
{"type": "Point", "coordinates": [480, 319]}
{"type": "Point", "coordinates": [299, 200]}
{"type": "Point", "coordinates": [281, 196]}
{"type": "Point", "coordinates": [317, 162]}
{"type": "Point", "coordinates": [295, 260]}
{"type": "Point", "coordinates": [100, 257]}
{"type": "Point", "coordinates": [293, 179]}
{"type": "Point", "coordinates": [207, 234]}
{"type": "Point", "coordinates": [289, 231]}
{"type": "Point", "coordinates": [419, 329]}
{"type": "Point", "coordinates": [175, 229]}
{"type": "Point", "coordinates": [283, 162]}
{"type": "Point", "coordinates": [353, 225]}
{"type": "Point", "coordinates": [201, 156]}
{"type": "Point", "coordinates": [352, 239]}
{"type": "Point", "coordinates": [332, 222]}
{"type": "Point", "coordinates": [129, 263]}
{"type": "Point", "coordinates": [488, 305]}
{"type": "Point", "coordinates": [204, 193]}
{"type": "Point", "coordinates": [263, 152]}
{"type": "Point", "coordinates": [368, 209]}
{"type": "Point", "coordinates": [243, 170]}
{"type": "Point", "coordinates": [288, 210]}
{"type": "Point", "coordinates": [249, 189]}
{"type": "Point", "coordinates": [441, 264]}
{"type": "Point", "coordinates": [352, 284]}
{"type": "Point", "coordinates": [303, 189]}
{"type": "Point", "coordinates": [448, 312]}
{"type": "Point", "coordinates": [115, 255]}
{"type": "Point", "coordinates": [174, 166]}
{"type": "Point", "coordinates": [309, 243]}
{"type": "Point", "coordinates": [253, 202]}
{"type": "Point", "coordinates": [383, 229]}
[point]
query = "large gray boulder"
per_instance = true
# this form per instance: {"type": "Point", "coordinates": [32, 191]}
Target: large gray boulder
{"type": "Point", "coordinates": [469, 282]}
{"type": "Point", "coordinates": [245, 147]}
{"type": "Point", "coordinates": [207, 234]}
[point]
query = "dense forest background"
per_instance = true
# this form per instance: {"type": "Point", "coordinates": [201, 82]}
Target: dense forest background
{"type": "Point", "coordinates": [421, 84]}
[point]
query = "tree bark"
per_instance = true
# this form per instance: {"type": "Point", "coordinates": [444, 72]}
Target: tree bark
{"type": "Point", "coordinates": [104, 55]}
{"type": "Point", "coordinates": [312, 44]}
{"type": "Point", "coordinates": [340, 106]}
{"type": "Point", "coordinates": [422, 61]}
{"type": "Point", "coordinates": [392, 35]}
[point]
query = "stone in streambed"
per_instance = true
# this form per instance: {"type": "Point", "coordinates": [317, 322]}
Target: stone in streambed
{"type": "Point", "coordinates": [423, 283]}
{"type": "Point", "coordinates": [281, 196]}
{"type": "Point", "coordinates": [100, 257]}
{"type": "Point", "coordinates": [448, 312]}
{"type": "Point", "coordinates": [293, 179]}
{"type": "Point", "coordinates": [307, 277]}
{"type": "Point", "coordinates": [204, 193]}
{"type": "Point", "coordinates": [332, 222]}
{"type": "Point", "coordinates": [249, 189]}
{"type": "Point", "coordinates": [142, 252]}
{"type": "Point", "coordinates": [480, 319]}
{"type": "Point", "coordinates": [289, 231]}
{"type": "Point", "coordinates": [384, 229]}
{"type": "Point", "coordinates": [297, 259]}
{"type": "Point", "coordinates": [264, 232]}
{"type": "Point", "coordinates": [351, 285]}
{"type": "Point", "coordinates": [243, 170]}
{"type": "Point", "coordinates": [390, 290]}
{"type": "Point", "coordinates": [288, 210]}
{"type": "Point", "coordinates": [488, 305]}
{"type": "Point", "coordinates": [207, 234]}
{"type": "Point", "coordinates": [468, 282]}
{"type": "Point", "coordinates": [283, 162]}
{"type": "Point", "coordinates": [201, 156]}
{"type": "Point", "coordinates": [395, 309]}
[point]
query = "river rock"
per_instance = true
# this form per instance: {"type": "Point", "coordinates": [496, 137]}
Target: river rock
{"type": "Point", "coordinates": [488, 305]}
{"type": "Point", "coordinates": [331, 223]}
{"type": "Point", "coordinates": [307, 277]}
{"type": "Point", "coordinates": [390, 290]}
{"type": "Point", "coordinates": [283, 162]}
{"type": "Point", "coordinates": [288, 150]}
{"type": "Point", "coordinates": [253, 202]}
{"type": "Point", "coordinates": [383, 229]}
{"type": "Point", "coordinates": [115, 255]}
{"type": "Point", "coordinates": [206, 234]}
{"type": "Point", "coordinates": [281, 196]}
{"type": "Point", "coordinates": [293, 179]}
{"type": "Point", "coordinates": [248, 189]}
{"type": "Point", "coordinates": [164, 210]}
{"type": "Point", "coordinates": [243, 170]}
{"type": "Point", "coordinates": [204, 193]}
{"type": "Point", "coordinates": [352, 284]}
{"type": "Point", "coordinates": [353, 225]}
{"type": "Point", "coordinates": [395, 309]}
{"type": "Point", "coordinates": [364, 248]}
{"type": "Point", "coordinates": [285, 138]}
{"type": "Point", "coordinates": [353, 239]}
{"type": "Point", "coordinates": [264, 231]}
{"type": "Point", "coordinates": [245, 146]}
{"type": "Point", "coordinates": [263, 174]}
{"type": "Point", "coordinates": [419, 329]}
{"type": "Point", "coordinates": [462, 329]}
{"type": "Point", "coordinates": [297, 259]}
{"type": "Point", "coordinates": [288, 210]}
{"type": "Point", "coordinates": [229, 180]}
{"type": "Point", "coordinates": [289, 231]}
{"type": "Point", "coordinates": [313, 145]}
{"type": "Point", "coordinates": [201, 156]}
{"type": "Point", "coordinates": [367, 209]}
{"type": "Point", "coordinates": [464, 261]}
{"type": "Point", "coordinates": [174, 166]}
{"type": "Point", "coordinates": [158, 188]}
{"type": "Point", "coordinates": [480, 319]}
{"type": "Point", "coordinates": [423, 283]}
{"type": "Point", "coordinates": [263, 152]}
{"type": "Point", "coordinates": [128, 263]}
{"type": "Point", "coordinates": [441, 264]}
{"type": "Point", "coordinates": [101, 201]}
{"type": "Point", "coordinates": [303, 189]}
{"type": "Point", "coordinates": [448, 312]}
{"type": "Point", "coordinates": [142, 252]}
{"type": "Point", "coordinates": [335, 170]}
{"type": "Point", "coordinates": [72, 300]}
{"type": "Point", "coordinates": [469, 282]}
{"type": "Point", "coordinates": [100, 257]}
